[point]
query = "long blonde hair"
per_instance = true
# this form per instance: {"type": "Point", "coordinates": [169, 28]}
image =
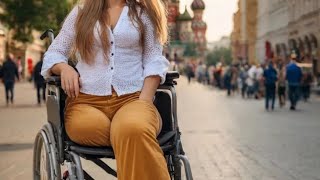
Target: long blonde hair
{"type": "Point", "coordinates": [94, 11]}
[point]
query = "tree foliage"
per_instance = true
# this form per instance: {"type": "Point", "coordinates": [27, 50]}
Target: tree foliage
{"type": "Point", "coordinates": [190, 50]}
{"type": "Point", "coordinates": [219, 54]}
{"type": "Point", "coordinates": [23, 16]}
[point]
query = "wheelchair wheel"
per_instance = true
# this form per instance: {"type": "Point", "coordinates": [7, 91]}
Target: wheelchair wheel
{"type": "Point", "coordinates": [43, 166]}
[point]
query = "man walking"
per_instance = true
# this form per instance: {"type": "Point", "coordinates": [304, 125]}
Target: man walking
{"type": "Point", "coordinates": [293, 76]}
{"type": "Point", "coordinates": [270, 79]}
{"type": "Point", "coordinates": [282, 85]}
{"type": "Point", "coordinates": [39, 82]}
{"type": "Point", "coordinates": [9, 72]}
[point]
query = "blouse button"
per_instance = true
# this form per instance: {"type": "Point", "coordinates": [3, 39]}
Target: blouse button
{"type": "Point", "coordinates": [111, 42]}
{"type": "Point", "coordinates": [111, 68]}
{"type": "Point", "coordinates": [112, 54]}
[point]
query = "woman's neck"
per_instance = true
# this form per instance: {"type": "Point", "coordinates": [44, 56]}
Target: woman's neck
{"type": "Point", "coordinates": [116, 3]}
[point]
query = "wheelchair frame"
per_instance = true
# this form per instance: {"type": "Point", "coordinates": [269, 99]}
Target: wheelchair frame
{"type": "Point", "coordinates": [53, 140]}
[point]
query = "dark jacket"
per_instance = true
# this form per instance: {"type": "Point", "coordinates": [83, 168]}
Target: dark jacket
{"type": "Point", "coordinates": [38, 78]}
{"type": "Point", "coordinates": [270, 76]}
{"type": "Point", "coordinates": [0, 71]}
{"type": "Point", "coordinates": [294, 74]}
{"type": "Point", "coordinates": [9, 71]}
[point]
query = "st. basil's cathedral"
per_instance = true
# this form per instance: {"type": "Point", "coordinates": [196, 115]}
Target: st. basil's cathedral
{"type": "Point", "coordinates": [185, 29]}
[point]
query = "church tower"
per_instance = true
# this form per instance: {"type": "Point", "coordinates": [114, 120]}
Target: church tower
{"type": "Point", "coordinates": [199, 27]}
{"type": "Point", "coordinates": [185, 27]}
{"type": "Point", "coordinates": [173, 13]}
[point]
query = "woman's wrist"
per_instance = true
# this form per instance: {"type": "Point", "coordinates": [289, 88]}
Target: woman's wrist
{"type": "Point", "coordinates": [146, 98]}
{"type": "Point", "coordinates": [58, 68]}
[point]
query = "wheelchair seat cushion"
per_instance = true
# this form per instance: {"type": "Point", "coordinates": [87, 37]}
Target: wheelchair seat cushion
{"type": "Point", "coordinates": [108, 151]}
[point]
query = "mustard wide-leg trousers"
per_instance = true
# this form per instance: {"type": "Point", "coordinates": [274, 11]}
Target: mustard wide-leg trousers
{"type": "Point", "coordinates": [126, 123]}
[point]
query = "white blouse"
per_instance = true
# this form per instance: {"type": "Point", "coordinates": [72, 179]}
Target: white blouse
{"type": "Point", "coordinates": [129, 63]}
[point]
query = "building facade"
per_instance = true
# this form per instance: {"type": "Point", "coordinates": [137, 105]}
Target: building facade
{"type": "Point", "coordinates": [286, 26]}
{"type": "Point", "coordinates": [273, 18]}
{"type": "Point", "coordinates": [243, 38]}
{"type": "Point", "coordinates": [224, 42]}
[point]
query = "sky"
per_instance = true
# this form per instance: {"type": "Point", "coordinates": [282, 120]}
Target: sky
{"type": "Point", "coordinates": [218, 15]}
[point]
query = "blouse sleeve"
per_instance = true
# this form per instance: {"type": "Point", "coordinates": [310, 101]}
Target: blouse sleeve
{"type": "Point", "coordinates": [154, 63]}
{"type": "Point", "coordinates": [59, 50]}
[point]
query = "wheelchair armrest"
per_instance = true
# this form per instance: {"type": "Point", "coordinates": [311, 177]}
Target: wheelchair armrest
{"type": "Point", "coordinates": [54, 80]}
{"type": "Point", "coordinates": [170, 78]}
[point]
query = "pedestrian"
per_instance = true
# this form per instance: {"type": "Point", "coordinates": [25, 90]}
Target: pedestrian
{"type": "Point", "coordinates": [282, 85]}
{"type": "Point", "coordinates": [243, 76]}
{"type": "Point", "coordinates": [270, 78]}
{"type": "Point", "coordinates": [227, 80]}
{"type": "Point", "coordinates": [39, 81]}
{"type": "Point", "coordinates": [9, 73]}
{"type": "Point", "coordinates": [19, 64]}
{"type": "Point", "coordinates": [119, 47]}
{"type": "Point", "coordinates": [217, 76]}
{"type": "Point", "coordinates": [258, 81]}
{"type": "Point", "coordinates": [306, 85]}
{"type": "Point", "coordinates": [0, 71]}
{"type": "Point", "coordinates": [234, 79]}
{"type": "Point", "coordinates": [252, 81]}
{"type": "Point", "coordinates": [293, 76]}
{"type": "Point", "coordinates": [189, 71]}
{"type": "Point", "coordinates": [200, 72]}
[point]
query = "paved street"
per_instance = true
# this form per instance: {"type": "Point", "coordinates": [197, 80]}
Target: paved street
{"type": "Point", "coordinates": [225, 138]}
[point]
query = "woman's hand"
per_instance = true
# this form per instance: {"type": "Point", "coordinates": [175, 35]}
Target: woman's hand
{"type": "Point", "coordinates": [69, 79]}
{"type": "Point", "coordinates": [149, 89]}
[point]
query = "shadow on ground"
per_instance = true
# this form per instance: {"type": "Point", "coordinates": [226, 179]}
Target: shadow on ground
{"type": "Point", "coordinates": [15, 146]}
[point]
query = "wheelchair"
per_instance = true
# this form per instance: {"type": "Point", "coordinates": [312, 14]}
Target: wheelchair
{"type": "Point", "coordinates": [53, 149]}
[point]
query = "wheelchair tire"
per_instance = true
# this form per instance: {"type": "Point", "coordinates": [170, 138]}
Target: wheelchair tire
{"type": "Point", "coordinates": [41, 162]}
{"type": "Point", "coordinates": [43, 166]}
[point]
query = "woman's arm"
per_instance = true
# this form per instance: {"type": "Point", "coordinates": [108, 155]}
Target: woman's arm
{"type": "Point", "coordinates": [154, 63]}
{"type": "Point", "coordinates": [56, 58]}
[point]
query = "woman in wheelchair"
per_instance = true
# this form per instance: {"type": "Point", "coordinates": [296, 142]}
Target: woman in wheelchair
{"type": "Point", "coordinates": [118, 45]}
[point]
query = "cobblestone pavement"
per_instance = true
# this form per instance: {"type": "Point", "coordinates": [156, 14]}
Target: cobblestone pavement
{"type": "Point", "coordinates": [225, 138]}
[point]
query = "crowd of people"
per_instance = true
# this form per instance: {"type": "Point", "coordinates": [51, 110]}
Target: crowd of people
{"type": "Point", "coordinates": [11, 72]}
{"type": "Point", "coordinates": [257, 81]}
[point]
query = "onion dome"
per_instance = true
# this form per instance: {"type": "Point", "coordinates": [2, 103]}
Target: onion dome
{"type": "Point", "coordinates": [185, 16]}
{"type": "Point", "coordinates": [198, 5]}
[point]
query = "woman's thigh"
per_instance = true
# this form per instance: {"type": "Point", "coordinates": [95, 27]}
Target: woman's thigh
{"type": "Point", "coordinates": [87, 125]}
{"type": "Point", "coordinates": [136, 119]}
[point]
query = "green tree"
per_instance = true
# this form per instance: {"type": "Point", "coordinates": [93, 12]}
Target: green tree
{"type": "Point", "coordinates": [18, 16]}
{"type": "Point", "coordinates": [190, 50]}
{"type": "Point", "coordinates": [218, 54]}
{"type": "Point", "coordinates": [23, 16]}
{"type": "Point", "coordinates": [51, 14]}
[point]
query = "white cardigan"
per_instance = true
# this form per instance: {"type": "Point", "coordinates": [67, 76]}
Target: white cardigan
{"type": "Point", "coordinates": [129, 63]}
